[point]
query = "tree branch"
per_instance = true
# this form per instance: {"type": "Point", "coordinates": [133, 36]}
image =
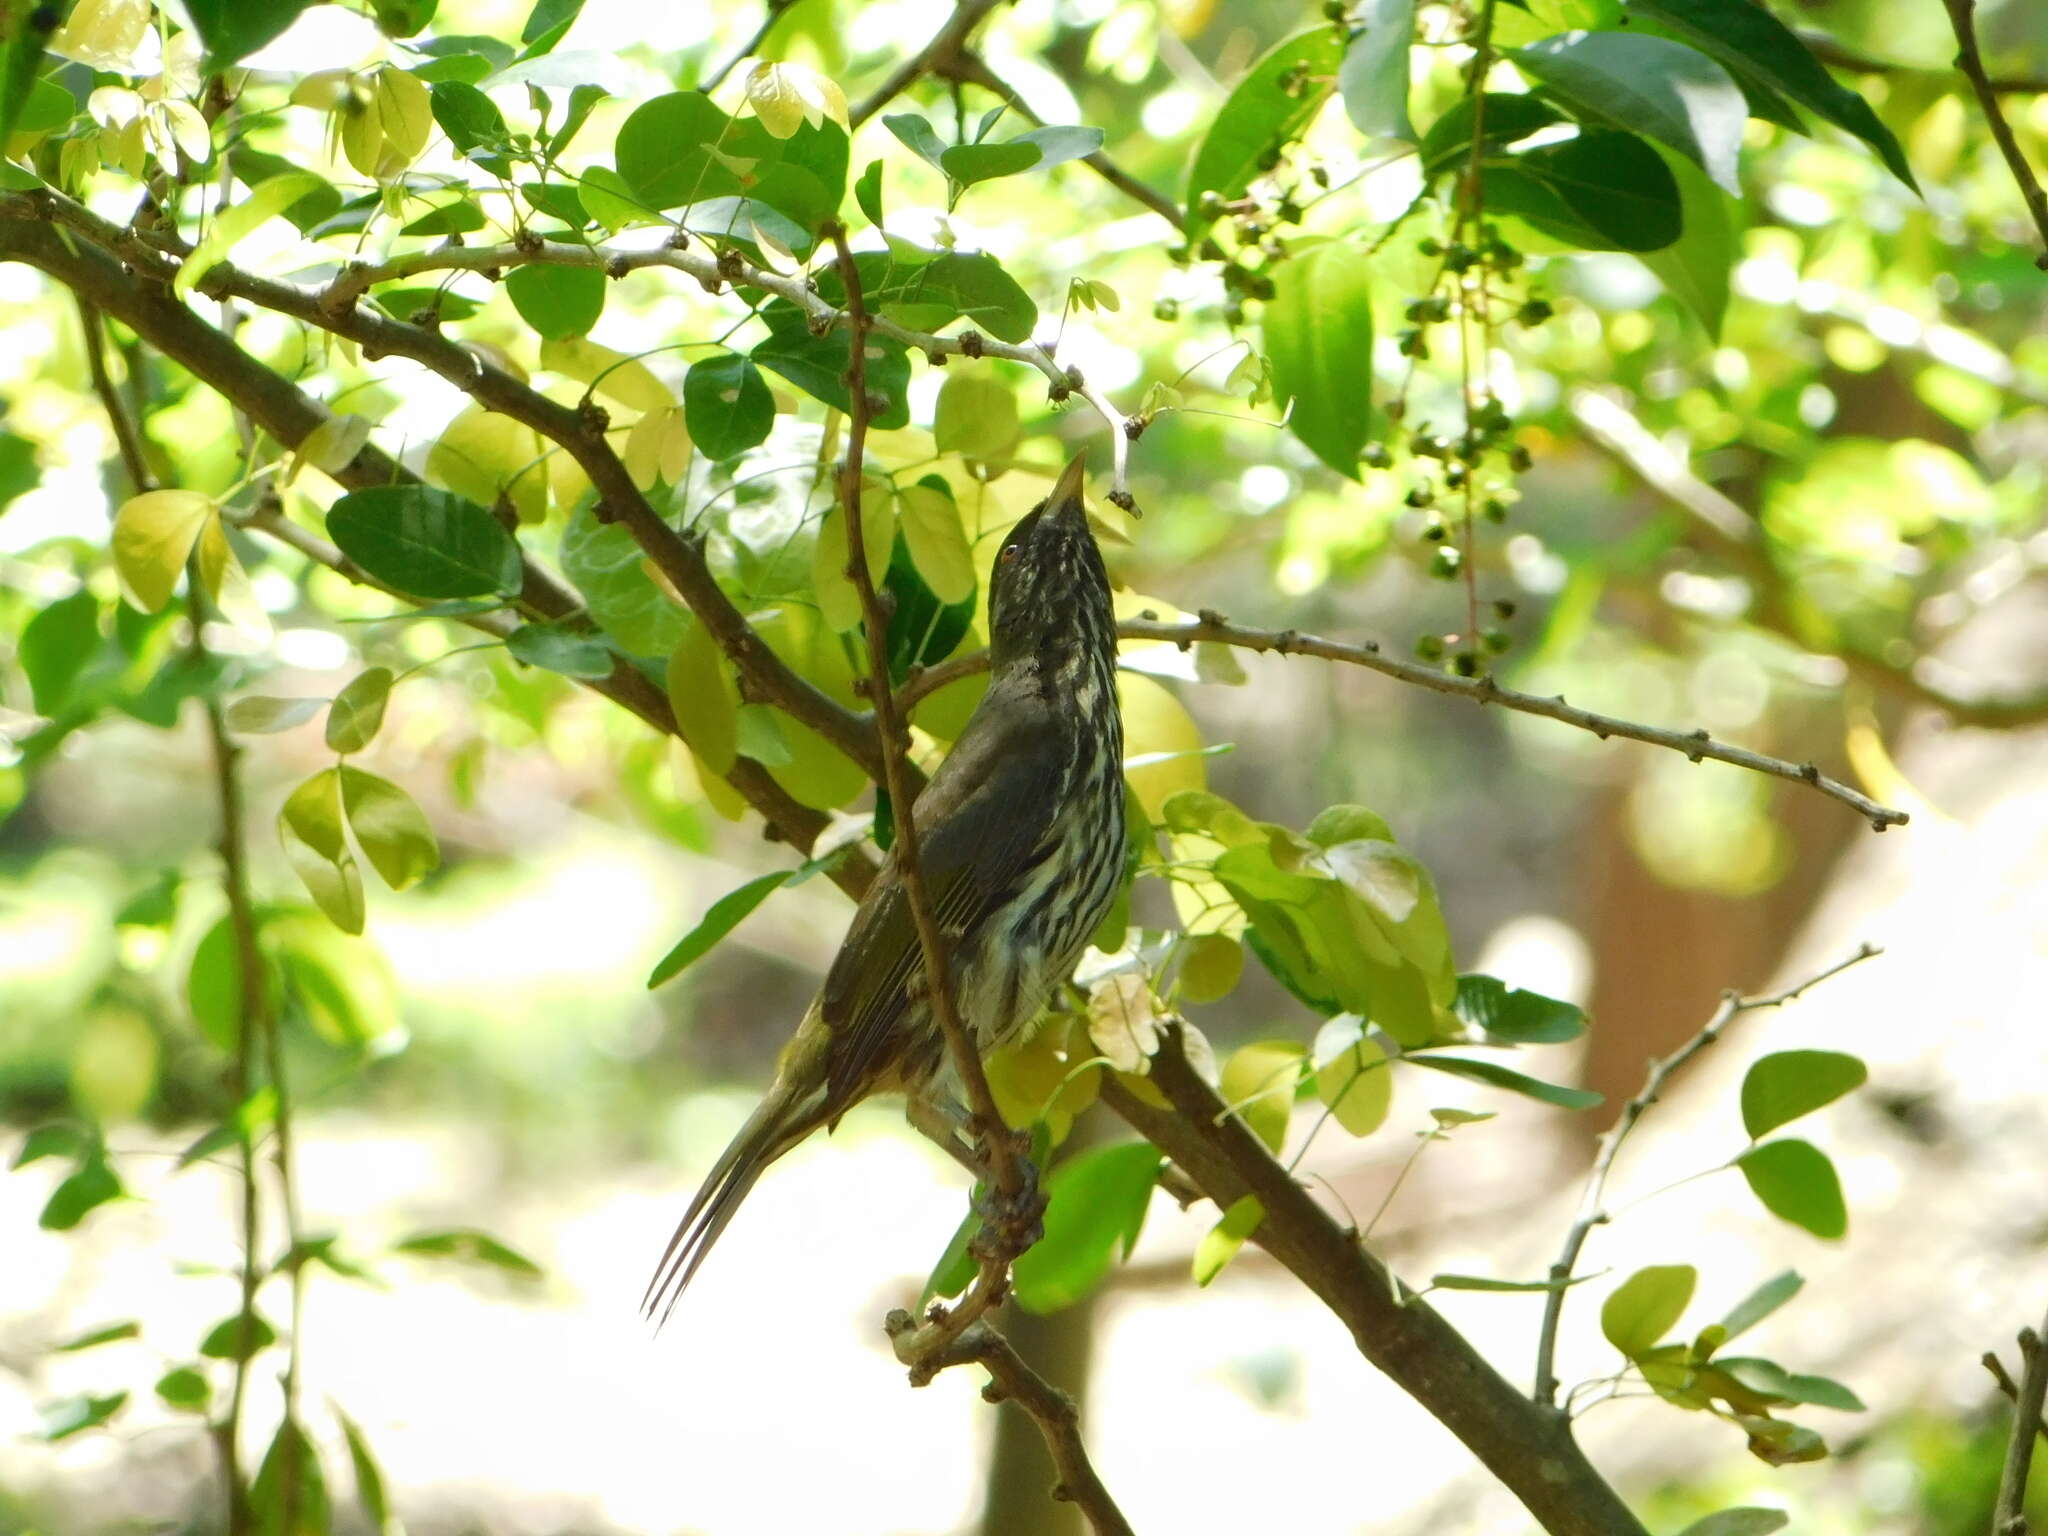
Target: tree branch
{"type": "Point", "coordinates": [1053, 1411]}
{"type": "Point", "coordinates": [2010, 1518]}
{"type": "Point", "coordinates": [1830, 51]}
{"type": "Point", "coordinates": [289, 415]}
{"type": "Point", "coordinates": [579, 432]}
{"type": "Point", "coordinates": [1592, 1203]}
{"type": "Point", "coordinates": [1528, 1447]}
{"type": "Point", "coordinates": [944, 44]}
{"type": "Point", "coordinates": [1736, 535]}
{"type": "Point", "coordinates": [1962, 17]}
{"type": "Point", "coordinates": [1213, 627]}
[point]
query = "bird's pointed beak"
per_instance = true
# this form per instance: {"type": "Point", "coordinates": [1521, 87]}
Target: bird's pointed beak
{"type": "Point", "coordinates": [1068, 488]}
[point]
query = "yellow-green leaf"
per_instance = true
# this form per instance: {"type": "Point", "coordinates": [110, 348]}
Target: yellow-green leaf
{"type": "Point", "coordinates": [838, 601]}
{"type": "Point", "coordinates": [624, 379]}
{"type": "Point", "coordinates": [358, 710]}
{"type": "Point", "coordinates": [704, 697]}
{"type": "Point", "coordinates": [153, 536]}
{"type": "Point", "coordinates": [1155, 723]}
{"type": "Point", "coordinates": [483, 456]}
{"type": "Point", "coordinates": [1220, 1243]}
{"type": "Point", "coordinates": [1258, 1085]}
{"type": "Point", "coordinates": [976, 417]}
{"type": "Point", "coordinates": [1352, 1075]}
{"type": "Point", "coordinates": [266, 201]}
{"type": "Point", "coordinates": [390, 827]}
{"type": "Point", "coordinates": [1212, 967]}
{"type": "Point", "coordinates": [310, 826]}
{"type": "Point", "coordinates": [786, 96]}
{"type": "Point", "coordinates": [405, 111]}
{"type": "Point", "coordinates": [1644, 1307]}
{"type": "Point", "coordinates": [937, 541]}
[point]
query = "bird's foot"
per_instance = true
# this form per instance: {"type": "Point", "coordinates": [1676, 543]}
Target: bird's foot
{"type": "Point", "coordinates": [1012, 1222]}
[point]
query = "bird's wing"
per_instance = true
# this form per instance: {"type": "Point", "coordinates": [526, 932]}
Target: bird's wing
{"type": "Point", "coordinates": [982, 823]}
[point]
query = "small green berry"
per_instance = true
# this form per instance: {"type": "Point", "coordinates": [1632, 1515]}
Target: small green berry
{"type": "Point", "coordinates": [1443, 565]}
{"type": "Point", "coordinates": [1465, 664]}
{"type": "Point", "coordinates": [1503, 608]}
{"type": "Point", "coordinates": [1495, 642]}
{"type": "Point", "coordinates": [1429, 648]}
{"type": "Point", "coordinates": [1376, 456]}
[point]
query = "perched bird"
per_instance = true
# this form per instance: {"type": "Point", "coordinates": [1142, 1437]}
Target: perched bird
{"type": "Point", "coordinates": [1021, 835]}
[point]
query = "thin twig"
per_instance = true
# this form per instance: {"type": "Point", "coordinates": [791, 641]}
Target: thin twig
{"type": "Point", "coordinates": [1593, 1201]}
{"type": "Point", "coordinates": [2010, 1518]}
{"type": "Point", "coordinates": [1213, 627]}
{"type": "Point", "coordinates": [1738, 537]}
{"type": "Point", "coordinates": [1053, 1411]}
{"type": "Point", "coordinates": [2010, 1388]}
{"type": "Point", "coordinates": [774, 10]}
{"type": "Point", "coordinates": [945, 42]}
{"type": "Point", "coordinates": [1829, 51]}
{"type": "Point", "coordinates": [1005, 1166]}
{"type": "Point", "coordinates": [1962, 16]}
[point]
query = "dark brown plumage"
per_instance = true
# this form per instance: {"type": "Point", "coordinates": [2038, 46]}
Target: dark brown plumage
{"type": "Point", "coordinates": [1022, 833]}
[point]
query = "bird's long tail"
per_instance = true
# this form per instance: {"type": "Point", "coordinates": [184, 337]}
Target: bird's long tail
{"type": "Point", "coordinates": [793, 1108]}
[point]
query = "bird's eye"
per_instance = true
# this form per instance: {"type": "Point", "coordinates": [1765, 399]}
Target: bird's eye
{"type": "Point", "coordinates": [1009, 553]}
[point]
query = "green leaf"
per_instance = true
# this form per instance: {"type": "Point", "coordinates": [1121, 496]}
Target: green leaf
{"type": "Point", "coordinates": [975, 416]}
{"type": "Point", "coordinates": [49, 1141]}
{"type": "Point", "coordinates": [1749, 1520]}
{"type": "Point", "coordinates": [425, 542]}
{"type": "Point", "coordinates": [404, 303]}
{"type": "Point", "coordinates": [185, 1389]}
{"type": "Point", "coordinates": [390, 828]}
{"type": "Point", "coordinates": [112, 1333]}
{"type": "Point", "coordinates": [1526, 1018]}
{"type": "Point", "coordinates": [1796, 1183]}
{"type": "Point", "coordinates": [232, 29]}
{"type": "Point", "coordinates": [74, 1415]}
{"type": "Point", "coordinates": [704, 697]}
{"type": "Point", "coordinates": [1509, 119]}
{"type": "Point", "coordinates": [1258, 1085]}
{"type": "Point", "coordinates": [930, 294]}
{"type": "Point", "coordinates": [1373, 79]}
{"type": "Point", "coordinates": [1268, 109]}
{"type": "Point", "coordinates": [291, 1463]}
{"type": "Point", "coordinates": [917, 136]}
{"type": "Point", "coordinates": [817, 364]}
{"type": "Point", "coordinates": [1488, 1283]}
{"type": "Point", "coordinates": [935, 540]}
{"type": "Point", "coordinates": [342, 985]}
{"type": "Point", "coordinates": [566, 651]}
{"type": "Point", "coordinates": [257, 714]}
{"type": "Point", "coordinates": [357, 713]}
{"type": "Point", "coordinates": [1502, 1077]}
{"type": "Point", "coordinates": [1761, 1303]}
{"type": "Point", "coordinates": [546, 23]}
{"type": "Point", "coordinates": [1219, 1245]}
{"type": "Point", "coordinates": [867, 193]}
{"type": "Point", "coordinates": [1771, 1379]}
{"type": "Point", "coordinates": [55, 646]}
{"type": "Point", "coordinates": [250, 1119]}
{"type": "Point", "coordinates": [369, 1477]}
{"type": "Point", "coordinates": [956, 1268]}
{"type": "Point", "coordinates": [1601, 191]}
{"type": "Point", "coordinates": [1317, 329]}
{"type": "Point", "coordinates": [1695, 269]}
{"type": "Point", "coordinates": [1785, 1085]}
{"type": "Point", "coordinates": [971, 163]}
{"type": "Point", "coordinates": [724, 915]}
{"type": "Point", "coordinates": [1647, 85]}
{"type": "Point", "coordinates": [90, 1185]}
{"type": "Point", "coordinates": [558, 302]}
{"type": "Point", "coordinates": [1096, 1204]}
{"type": "Point", "coordinates": [471, 119]}
{"type": "Point", "coordinates": [609, 569]}
{"type": "Point", "coordinates": [1645, 1306]}
{"type": "Point", "coordinates": [19, 472]}
{"type": "Point", "coordinates": [1352, 1075]}
{"type": "Point", "coordinates": [266, 201]}
{"type": "Point", "coordinates": [680, 148]}
{"type": "Point", "coordinates": [922, 629]}
{"type": "Point", "coordinates": [1759, 47]}
{"type": "Point", "coordinates": [726, 405]}
{"type": "Point", "coordinates": [1059, 143]}
{"type": "Point", "coordinates": [27, 29]}
{"type": "Point", "coordinates": [153, 535]}
{"type": "Point", "coordinates": [238, 1337]}
{"type": "Point", "coordinates": [310, 826]}
{"type": "Point", "coordinates": [468, 1245]}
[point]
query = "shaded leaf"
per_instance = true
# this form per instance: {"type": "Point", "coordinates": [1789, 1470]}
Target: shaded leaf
{"type": "Point", "coordinates": [357, 713]}
{"type": "Point", "coordinates": [1526, 1018]}
{"type": "Point", "coordinates": [1219, 1245]}
{"type": "Point", "coordinates": [1503, 1077]}
{"type": "Point", "coordinates": [391, 829]}
{"type": "Point", "coordinates": [426, 542]}
{"type": "Point", "coordinates": [1096, 1204]}
{"type": "Point", "coordinates": [556, 301]}
{"type": "Point", "coordinates": [1647, 85]}
{"type": "Point", "coordinates": [1373, 79]}
{"type": "Point", "coordinates": [1317, 329]}
{"type": "Point", "coordinates": [726, 404]}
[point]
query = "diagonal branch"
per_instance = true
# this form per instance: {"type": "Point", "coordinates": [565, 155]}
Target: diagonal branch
{"type": "Point", "coordinates": [1528, 1447]}
{"type": "Point", "coordinates": [1213, 627]}
{"type": "Point", "coordinates": [1962, 17]}
{"type": "Point", "coordinates": [1737, 537]}
{"type": "Point", "coordinates": [580, 432]}
{"type": "Point", "coordinates": [1593, 1202]}
{"type": "Point", "coordinates": [944, 45]}
{"type": "Point", "coordinates": [289, 415]}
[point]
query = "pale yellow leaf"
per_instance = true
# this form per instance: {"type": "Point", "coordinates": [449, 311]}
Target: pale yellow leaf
{"type": "Point", "coordinates": [153, 535]}
{"type": "Point", "coordinates": [937, 541]}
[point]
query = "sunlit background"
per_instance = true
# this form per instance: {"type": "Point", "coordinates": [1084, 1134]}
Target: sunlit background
{"type": "Point", "coordinates": [1878, 397]}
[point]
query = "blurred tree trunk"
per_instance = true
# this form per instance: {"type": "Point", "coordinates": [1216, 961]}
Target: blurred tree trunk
{"type": "Point", "coordinates": [1020, 1475]}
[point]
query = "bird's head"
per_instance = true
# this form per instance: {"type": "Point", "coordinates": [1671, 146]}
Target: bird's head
{"type": "Point", "coordinates": [1049, 594]}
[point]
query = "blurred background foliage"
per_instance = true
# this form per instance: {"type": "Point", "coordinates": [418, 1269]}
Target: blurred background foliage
{"type": "Point", "coordinates": [1788, 490]}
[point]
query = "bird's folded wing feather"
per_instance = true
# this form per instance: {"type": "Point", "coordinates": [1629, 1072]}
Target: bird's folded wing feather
{"type": "Point", "coordinates": [982, 823]}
